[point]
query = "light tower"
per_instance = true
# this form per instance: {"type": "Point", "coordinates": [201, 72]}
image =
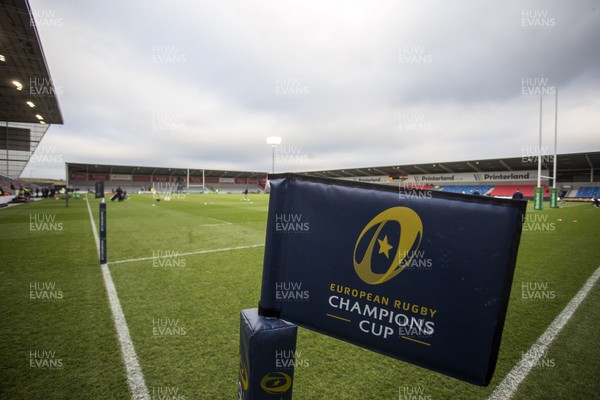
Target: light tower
{"type": "Point", "coordinates": [273, 141]}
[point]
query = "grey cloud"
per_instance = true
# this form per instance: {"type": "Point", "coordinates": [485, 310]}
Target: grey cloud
{"type": "Point", "coordinates": [205, 82]}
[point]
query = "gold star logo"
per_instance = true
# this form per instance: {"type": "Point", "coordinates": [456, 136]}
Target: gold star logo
{"type": "Point", "coordinates": [384, 246]}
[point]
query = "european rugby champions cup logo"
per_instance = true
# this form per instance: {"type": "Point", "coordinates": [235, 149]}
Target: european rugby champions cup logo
{"type": "Point", "coordinates": [273, 383]}
{"type": "Point", "coordinates": [397, 236]}
{"type": "Point", "coordinates": [276, 383]}
{"type": "Point", "coordinates": [243, 380]}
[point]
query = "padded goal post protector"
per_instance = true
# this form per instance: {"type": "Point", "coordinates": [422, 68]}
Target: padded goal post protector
{"type": "Point", "coordinates": [99, 190]}
{"type": "Point", "coordinates": [102, 229]}
{"type": "Point", "coordinates": [421, 276]}
{"type": "Point", "coordinates": [267, 355]}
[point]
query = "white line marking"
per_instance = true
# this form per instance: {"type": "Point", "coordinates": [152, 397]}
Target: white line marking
{"type": "Point", "coordinates": [214, 225]}
{"type": "Point", "coordinates": [94, 230]}
{"type": "Point", "coordinates": [219, 220]}
{"type": "Point", "coordinates": [135, 377]}
{"type": "Point", "coordinates": [187, 254]}
{"type": "Point", "coordinates": [508, 387]}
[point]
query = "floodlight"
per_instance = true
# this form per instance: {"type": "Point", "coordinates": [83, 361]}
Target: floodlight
{"type": "Point", "coordinates": [274, 140]}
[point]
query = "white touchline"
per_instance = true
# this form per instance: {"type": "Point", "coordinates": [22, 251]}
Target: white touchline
{"type": "Point", "coordinates": [219, 220]}
{"type": "Point", "coordinates": [508, 387]}
{"type": "Point", "coordinates": [135, 377]}
{"type": "Point", "coordinates": [96, 237]}
{"type": "Point", "coordinates": [188, 254]}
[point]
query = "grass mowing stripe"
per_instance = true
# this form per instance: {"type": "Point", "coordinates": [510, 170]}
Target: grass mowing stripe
{"type": "Point", "coordinates": [508, 387]}
{"type": "Point", "coordinates": [135, 376]}
{"type": "Point", "coordinates": [187, 254]}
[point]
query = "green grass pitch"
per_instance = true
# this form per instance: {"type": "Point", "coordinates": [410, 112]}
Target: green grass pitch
{"type": "Point", "coordinates": [58, 340]}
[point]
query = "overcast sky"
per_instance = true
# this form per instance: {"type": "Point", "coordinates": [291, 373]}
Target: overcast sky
{"type": "Point", "coordinates": [201, 84]}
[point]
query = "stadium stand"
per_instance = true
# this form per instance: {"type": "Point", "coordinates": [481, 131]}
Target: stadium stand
{"type": "Point", "coordinates": [421, 187]}
{"type": "Point", "coordinates": [7, 184]}
{"type": "Point", "coordinates": [25, 80]}
{"type": "Point", "coordinates": [588, 192]}
{"type": "Point", "coordinates": [161, 187]}
{"type": "Point", "coordinates": [15, 191]}
{"type": "Point", "coordinates": [133, 179]}
{"type": "Point", "coordinates": [494, 177]}
{"type": "Point", "coordinates": [508, 190]}
{"type": "Point", "coordinates": [468, 189]}
{"type": "Point", "coordinates": [7, 193]}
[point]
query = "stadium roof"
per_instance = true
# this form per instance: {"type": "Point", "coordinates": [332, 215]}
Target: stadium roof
{"type": "Point", "coordinates": [567, 163]}
{"type": "Point", "coordinates": [24, 74]}
{"type": "Point", "coordinates": [135, 170]}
